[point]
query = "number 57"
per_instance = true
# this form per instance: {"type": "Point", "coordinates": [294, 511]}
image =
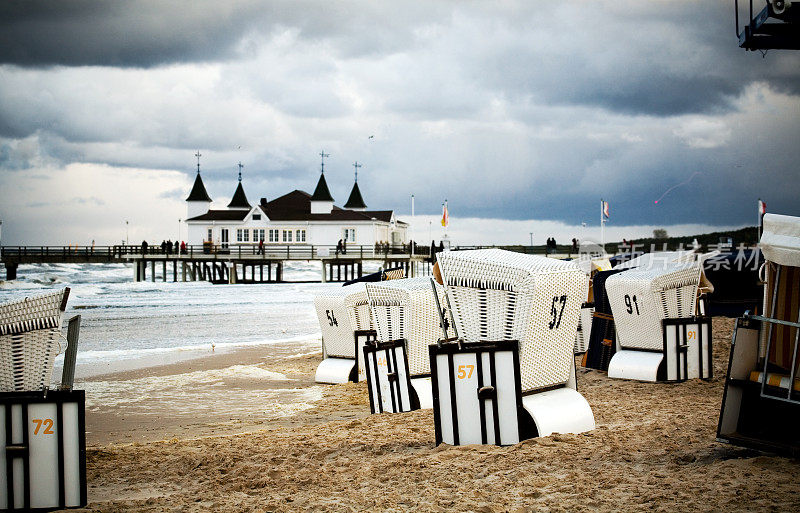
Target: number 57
{"type": "Point", "coordinates": [462, 371]}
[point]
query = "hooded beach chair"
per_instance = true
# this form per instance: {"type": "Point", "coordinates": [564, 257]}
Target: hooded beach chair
{"type": "Point", "coordinates": [660, 335]}
{"type": "Point", "coordinates": [346, 325]}
{"type": "Point", "coordinates": [42, 435]}
{"type": "Point", "coordinates": [761, 402]}
{"type": "Point", "coordinates": [511, 373]}
{"type": "Point", "coordinates": [30, 340]}
{"type": "Point", "coordinates": [407, 321]}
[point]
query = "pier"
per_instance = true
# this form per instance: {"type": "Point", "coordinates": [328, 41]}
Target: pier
{"type": "Point", "coordinates": [223, 264]}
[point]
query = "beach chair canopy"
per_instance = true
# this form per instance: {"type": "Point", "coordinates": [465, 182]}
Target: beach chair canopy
{"type": "Point", "coordinates": [406, 309]}
{"type": "Point", "coordinates": [30, 339]}
{"type": "Point", "coordinates": [335, 321]}
{"type": "Point", "coordinates": [501, 295]}
{"type": "Point", "coordinates": [356, 303]}
{"type": "Point", "coordinates": [780, 240]}
{"type": "Point", "coordinates": [641, 298]}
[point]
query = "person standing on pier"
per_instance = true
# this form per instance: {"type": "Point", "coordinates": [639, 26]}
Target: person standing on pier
{"type": "Point", "coordinates": [144, 247]}
{"type": "Point", "coordinates": [260, 246]}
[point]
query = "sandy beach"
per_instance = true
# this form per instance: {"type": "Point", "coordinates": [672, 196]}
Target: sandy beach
{"type": "Point", "coordinates": [654, 448]}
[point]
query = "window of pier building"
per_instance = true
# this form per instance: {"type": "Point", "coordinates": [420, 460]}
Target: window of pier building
{"type": "Point", "coordinates": [300, 235]}
{"type": "Point", "coordinates": [258, 235]}
{"type": "Point", "coordinates": [274, 235]}
{"type": "Point", "coordinates": [210, 233]}
{"type": "Point", "coordinates": [256, 217]}
{"type": "Point", "coordinates": [349, 234]}
{"type": "Point", "coordinates": [287, 236]}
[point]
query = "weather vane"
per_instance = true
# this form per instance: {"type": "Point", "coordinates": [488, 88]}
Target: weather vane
{"type": "Point", "coordinates": [198, 161]}
{"type": "Point", "coordinates": [240, 170]}
{"type": "Point", "coordinates": [357, 165]}
{"type": "Point", "coordinates": [322, 154]}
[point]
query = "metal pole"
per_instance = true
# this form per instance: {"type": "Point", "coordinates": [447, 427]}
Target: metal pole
{"type": "Point", "coordinates": [602, 227]}
{"type": "Point", "coordinates": [412, 226]}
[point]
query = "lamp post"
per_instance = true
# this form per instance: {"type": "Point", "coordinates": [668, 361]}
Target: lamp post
{"type": "Point", "coordinates": [179, 229]}
{"type": "Point", "coordinates": [411, 242]}
{"type": "Point", "coordinates": [126, 233]}
{"type": "Point", "coordinates": [531, 240]}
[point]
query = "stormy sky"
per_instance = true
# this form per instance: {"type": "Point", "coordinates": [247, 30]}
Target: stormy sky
{"type": "Point", "coordinates": [518, 111]}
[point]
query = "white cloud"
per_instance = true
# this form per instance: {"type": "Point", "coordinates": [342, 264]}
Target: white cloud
{"type": "Point", "coordinates": [84, 202]}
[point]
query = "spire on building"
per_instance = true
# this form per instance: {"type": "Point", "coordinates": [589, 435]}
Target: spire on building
{"type": "Point", "coordinates": [198, 192]}
{"type": "Point", "coordinates": [239, 199]}
{"type": "Point", "coordinates": [322, 193]}
{"type": "Point", "coordinates": [355, 201]}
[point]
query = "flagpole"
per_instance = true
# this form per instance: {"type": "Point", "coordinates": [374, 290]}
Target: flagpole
{"type": "Point", "coordinates": [602, 226]}
{"type": "Point", "coordinates": [758, 224]}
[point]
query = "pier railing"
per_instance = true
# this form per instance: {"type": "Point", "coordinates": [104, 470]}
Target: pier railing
{"type": "Point", "coordinates": [72, 253]}
{"type": "Point", "coordinates": [239, 251]}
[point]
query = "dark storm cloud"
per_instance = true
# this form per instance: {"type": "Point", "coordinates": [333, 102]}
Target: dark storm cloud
{"type": "Point", "coordinates": [109, 33]}
{"type": "Point", "coordinates": [147, 33]}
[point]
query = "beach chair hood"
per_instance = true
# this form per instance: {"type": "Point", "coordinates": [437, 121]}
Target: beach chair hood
{"type": "Point", "coordinates": [780, 241]}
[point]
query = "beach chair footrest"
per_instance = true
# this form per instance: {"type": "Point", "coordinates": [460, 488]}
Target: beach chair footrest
{"type": "Point", "coordinates": [477, 398]}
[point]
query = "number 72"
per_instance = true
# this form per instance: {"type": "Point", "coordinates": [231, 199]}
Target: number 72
{"type": "Point", "coordinates": [48, 426]}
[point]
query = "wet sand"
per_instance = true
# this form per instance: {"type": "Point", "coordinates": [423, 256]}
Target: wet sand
{"type": "Point", "coordinates": [654, 449]}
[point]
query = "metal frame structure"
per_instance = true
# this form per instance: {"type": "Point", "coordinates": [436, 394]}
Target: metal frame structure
{"type": "Point", "coordinates": [761, 403]}
{"type": "Point", "coordinates": [781, 34]}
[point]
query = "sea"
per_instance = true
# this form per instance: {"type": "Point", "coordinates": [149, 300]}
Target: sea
{"type": "Point", "coordinates": [127, 325]}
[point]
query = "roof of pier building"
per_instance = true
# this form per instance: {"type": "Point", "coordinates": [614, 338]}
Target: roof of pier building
{"type": "Point", "coordinates": [296, 206]}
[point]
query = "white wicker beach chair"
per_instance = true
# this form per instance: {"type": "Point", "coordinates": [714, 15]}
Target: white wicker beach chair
{"type": "Point", "coordinates": [30, 339]}
{"type": "Point", "coordinates": [661, 338]}
{"type": "Point", "coordinates": [42, 435]}
{"type": "Point", "coordinates": [407, 321]}
{"type": "Point", "coordinates": [345, 324]}
{"type": "Point", "coordinates": [517, 316]}
{"type": "Point", "coordinates": [761, 403]}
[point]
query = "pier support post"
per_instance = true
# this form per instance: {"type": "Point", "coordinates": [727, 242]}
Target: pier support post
{"type": "Point", "coordinates": [232, 272]}
{"type": "Point", "coordinates": [153, 270]}
{"type": "Point", "coordinates": [11, 271]}
{"type": "Point", "coordinates": [183, 271]}
{"type": "Point", "coordinates": [324, 277]}
{"type": "Point", "coordinates": [279, 272]}
{"type": "Point", "coordinates": [164, 270]}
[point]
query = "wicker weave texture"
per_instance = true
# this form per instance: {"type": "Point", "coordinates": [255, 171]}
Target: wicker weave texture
{"type": "Point", "coordinates": [334, 323]}
{"type": "Point", "coordinates": [30, 333]}
{"type": "Point", "coordinates": [357, 304]}
{"type": "Point", "coordinates": [500, 295]}
{"type": "Point", "coordinates": [406, 309]}
{"type": "Point", "coordinates": [640, 299]}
